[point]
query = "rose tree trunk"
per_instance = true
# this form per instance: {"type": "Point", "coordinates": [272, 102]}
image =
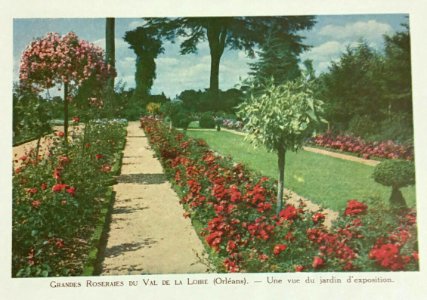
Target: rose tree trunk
{"type": "Point", "coordinates": [281, 152]}
{"type": "Point", "coordinates": [66, 113]}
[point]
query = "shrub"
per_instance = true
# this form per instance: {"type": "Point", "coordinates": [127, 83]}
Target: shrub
{"type": "Point", "coordinates": [362, 126]}
{"type": "Point", "coordinates": [397, 174]}
{"type": "Point", "coordinates": [58, 199]}
{"type": "Point", "coordinates": [207, 120]}
{"type": "Point", "coordinates": [181, 120]}
{"type": "Point", "coordinates": [153, 108]}
{"type": "Point", "coordinates": [397, 128]}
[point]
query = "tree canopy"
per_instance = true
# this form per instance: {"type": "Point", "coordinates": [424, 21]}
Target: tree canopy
{"type": "Point", "coordinates": [242, 33]}
{"type": "Point", "coordinates": [368, 92]}
{"type": "Point", "coordinates": [147, 47]}
{"type": "Point", "coordinates": [62, 60]}
{"type": "Point", "coordinates": [281, 117]}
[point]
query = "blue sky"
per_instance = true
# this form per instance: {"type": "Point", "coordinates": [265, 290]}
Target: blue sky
{"type": "Point", "coordinates": [175, 73]}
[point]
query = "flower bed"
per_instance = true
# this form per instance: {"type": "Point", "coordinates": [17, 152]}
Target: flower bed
{"type": "Point", "coordinates": [232, 124]}
{"type": "Point", "coordinates": [60, 197]}
{"type": "Point", "coordinates": [384, 149]}
{"type": "Point", "coordinates": [236, 208]}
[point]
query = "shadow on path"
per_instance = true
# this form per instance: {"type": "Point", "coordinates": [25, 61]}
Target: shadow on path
{"type": "Point", "coordinates": [142, 178]}
{"type": "Point", "coordinates": [129, 247]}
{"type": "Point", "coordinates": [125, 210]}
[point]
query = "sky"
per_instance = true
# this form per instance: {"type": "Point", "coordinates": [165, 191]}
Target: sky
{"type": "Point", "coordinates": [175, 73]}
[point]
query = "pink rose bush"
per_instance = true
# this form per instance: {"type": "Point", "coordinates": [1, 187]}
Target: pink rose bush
{"type": "Point", "coordinates": [58, 197]}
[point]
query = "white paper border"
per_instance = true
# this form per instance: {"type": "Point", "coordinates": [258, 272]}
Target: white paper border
{"type": "Point", "coordinates": [408, 285]}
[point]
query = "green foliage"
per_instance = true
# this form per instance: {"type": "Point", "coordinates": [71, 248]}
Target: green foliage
{"type": "Point", "coordinates": [361, 126]}
{"type": "Point", "coordinates": [395, 173]}
{"type": "Point", "coordinates": [281, 115]}
{"type": "Point", "coordinates": [397, 127]}
{"type": "Point", "coordinates": [397, 72]}
{"type": "Point", "coordinates": [53, 224]}
{"type": "Point", "coordinates": [31, 115]}
{"type": "Point", "coordinates": [368, 85]}
{"type": "Point", "coordinates": [278, 59]}
{"type": "Point", "coordinates": [176, 113]}
{"type": "Point", "coordinates": [147, 47]}
{"type": "Point", "coordinates": [201, 101]}
{"type": "Point", "coordinates": [353, 86]}
{"type": "Point", "coordinates": [153, 108]}
{"type": "Point", "coordinates": [207, 120]}
{"type": "Point", "coordinates": [243, 33]}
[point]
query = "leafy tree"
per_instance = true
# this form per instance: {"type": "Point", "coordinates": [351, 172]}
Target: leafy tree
{"type": "Point", "coordinates": [68, 61]}
{"type": "Point", "coordinates": [243, 33]}
{"type": "Point", "coordinates": [281, 117]}
{"type": "Point", "coordinates": [397, 72]}
{"type": "Point", "coordinates": [30, 116]}
{"type": "Point", "coordinates": [353, 86]}
{"type": "Point", "coordinates": [147, 47]}
{"type": "Point", "coordinates": [277, 59]}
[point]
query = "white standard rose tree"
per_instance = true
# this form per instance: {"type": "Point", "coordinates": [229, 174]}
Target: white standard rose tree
{"type": "Point", "coordinates": [281, 117]}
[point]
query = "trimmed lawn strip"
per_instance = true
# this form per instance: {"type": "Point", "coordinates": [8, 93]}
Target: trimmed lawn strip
{"type": "Point", "coordinates": [324, 180]}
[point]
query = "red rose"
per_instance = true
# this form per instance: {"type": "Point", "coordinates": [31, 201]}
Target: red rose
{"type": "Point", "coordinates": [298, 268]}
{"type": "Point", "coordinates": [279, 248]}
{"type": "Point", "coordinates": [36, 203]}
{"type": "Point", "coordinates": [318, 262]}
{"type": "Point", "coordinates": [106, 168]}
{"type": "Point", "coordinates": [32, 191]}
{"type": "Point", "coordinates": [59, 187]}
{"type": "Point", "coordinates": [289, 213]}
{"type": "Point", "coordinates": [318, 217]}
{"type": "Point", "coordinates": [71, 190]}
{"type": "Point", "coordinates": [355, 207]}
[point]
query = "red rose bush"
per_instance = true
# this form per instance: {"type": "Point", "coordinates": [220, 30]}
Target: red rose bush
{"type": "Point", "coordinates": [381, 149]}
{"type": "Point", "coordinates": [236, 209]}
{"type": "Point", "coordinates": [57, 200]}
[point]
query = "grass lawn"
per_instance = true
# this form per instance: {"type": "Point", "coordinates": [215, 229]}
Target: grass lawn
{"type": "Point", "coordinates": [322, 179]}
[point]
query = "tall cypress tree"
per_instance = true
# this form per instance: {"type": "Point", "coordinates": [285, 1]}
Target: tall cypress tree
{"type": "Point", "coordinates": [147, 47]}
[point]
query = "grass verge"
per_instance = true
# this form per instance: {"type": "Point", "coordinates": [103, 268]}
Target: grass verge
{"type": "Point", "coordinates": [324, 180]}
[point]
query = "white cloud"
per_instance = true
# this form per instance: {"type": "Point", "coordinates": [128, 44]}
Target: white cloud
{"type": "Point", "coordinates": [338, 37]}
{"type": "Point", "coordinates": [135, 24]}
{"type": "Point", "coordinates": [167, 61]}
{"type": "Point", "coordinates": [370, 30]}
{"type": "Point", "coordinates": [323, 54]}
{"type": "Point", "coordinates": [327, 49]}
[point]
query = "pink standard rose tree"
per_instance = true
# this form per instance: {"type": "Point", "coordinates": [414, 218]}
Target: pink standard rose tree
{"type": "Point", "coordinates": [56, 60]}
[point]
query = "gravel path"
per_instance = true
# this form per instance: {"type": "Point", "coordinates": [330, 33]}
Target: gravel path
{"type": "Point", "coordinates": [45, 142]}
{"type": "Point", "coordinates": [148, 233]}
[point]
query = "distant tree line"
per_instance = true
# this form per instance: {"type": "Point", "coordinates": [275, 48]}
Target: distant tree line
{"type": "Point", "coordinates": [368, 92]}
